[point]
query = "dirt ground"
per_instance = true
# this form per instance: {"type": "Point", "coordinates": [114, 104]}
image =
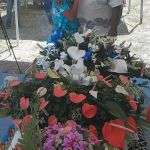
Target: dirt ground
{"type": "Point", "coordinates": [34, 28]}
{"type": "Point", "coordinates": [138, 34]}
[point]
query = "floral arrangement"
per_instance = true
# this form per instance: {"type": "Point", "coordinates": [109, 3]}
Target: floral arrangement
{"type": "Point", "coordinates": [68, 136]}
{"type": "Point", "coordinates": [78, 78]}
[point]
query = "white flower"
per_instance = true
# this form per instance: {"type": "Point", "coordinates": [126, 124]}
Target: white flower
{"type": "Point", "coordinates": [41, 91]}
{"type": "Point", "coordinates": [93, 93]}
{"type": "Point", "coordinates": [119, 66]}
{"type": "Point", "coordinates": [120, 89]}
{"type": "Point", "coordinates": [75, 53]}
{"type": "Point", "coordinates": [78, 37]}
{"type": "Point", "coordinates": [63, 55]}
{"type": "Point", "coordinates": [89, 31]}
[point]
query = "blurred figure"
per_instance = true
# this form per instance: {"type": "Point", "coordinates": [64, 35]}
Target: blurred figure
{"type": "Point", "coordinates": [10, 4]}
{"type": "Point", "coordinates": [102, 15]}
{"type": "Point", "coordinates": [117, 7]}
{"type": "Point", "coordinates": [47, 4]}
{"type": "Point", "coordinates": [64, 20]}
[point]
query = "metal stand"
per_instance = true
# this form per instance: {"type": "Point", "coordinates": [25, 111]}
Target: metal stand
{"type": "Point", "coordinates": [141, 12]}
{"type": "Point", "coordinates": [129, 7]}
{"type": "Point", "coordinates": [16, 20]}
{"type": "Point", "coordinates": [10, 48]}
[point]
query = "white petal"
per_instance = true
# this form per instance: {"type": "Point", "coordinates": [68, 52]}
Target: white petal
{"type": "Point", "coordinates": [93, 93]}
{"type": "Point", "coordinates": [119, 66]}
{"type": "Point", "coordinates": [120, 89]}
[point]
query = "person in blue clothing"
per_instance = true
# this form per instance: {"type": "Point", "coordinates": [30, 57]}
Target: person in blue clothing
{"type": "Point", "coordinates": [59, 19]}
{"type": "Point", "coordinates": [102, 15]}
{"type": "Point", "coordinates": [64, 19]}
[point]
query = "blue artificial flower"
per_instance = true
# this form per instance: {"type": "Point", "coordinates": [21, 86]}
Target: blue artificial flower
{"type": "Point", "coordinates": [111, 53]}
{"type": "Point", "coordinates": [56, 35]}
{"type": "Point", "coordinates": [88, 55]}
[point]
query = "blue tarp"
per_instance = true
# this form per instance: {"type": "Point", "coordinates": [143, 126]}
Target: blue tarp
{"type": "Point", "coordinates": [6, 124]}
{"type": "Point", "coordinates": [4, 75]}
{"type": "Point", "coordinates": [145, 84]}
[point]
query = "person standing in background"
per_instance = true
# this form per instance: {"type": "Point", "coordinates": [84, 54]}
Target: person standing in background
{"type": "Point", "coordinates": [116, 13]}
{"type": "Point", "coordinates": [102, 15]}
{"type": "Point", "coordinates": [10, 4]}
{"type": "Point", "coordinates": [64, 19]}
{"type": "Point", "coordinates": [47, 4]}
{"type": "Point", "coordinates": [64, 15]}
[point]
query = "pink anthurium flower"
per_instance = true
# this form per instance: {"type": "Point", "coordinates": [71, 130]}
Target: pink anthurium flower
{"type": "Point", "coordinates": [76, 98]}
{"type": "Point", "coordinates": [59, 91]}
{"type": "Point", "coordinates": [24, 103]}
{"type": "Point", "coordinates": [89, 111]}
{"type": "Point", "coordinates": [40, 75]}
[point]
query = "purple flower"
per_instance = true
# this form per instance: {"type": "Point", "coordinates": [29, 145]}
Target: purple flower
{"type": "Point", "coordinates": [75, 141]}
{"type": "Point", "coordinates": [56, 137]}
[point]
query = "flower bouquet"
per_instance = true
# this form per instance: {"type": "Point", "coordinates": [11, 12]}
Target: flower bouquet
{"type": "Point", "coordinates": [68, 136]}
{"type": "Point", "coordinates": [84, 80]}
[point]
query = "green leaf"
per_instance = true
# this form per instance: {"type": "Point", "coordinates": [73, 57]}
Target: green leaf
{"type": "Point", "coordinates": [143, 123]}
{"type": "Point", "coordinates": [115, 110]}
{"type": "Point", "coordinates": [3, 112]}
{"type": "Point", "coordinates": [52, 74]}
{"type": "Point", "coordinates": [31, 137]}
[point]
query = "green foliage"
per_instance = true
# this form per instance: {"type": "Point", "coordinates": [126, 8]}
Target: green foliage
{"type": "Point", "coordinates": [134, 90]}
{"type": "Point", "coordinates": [143, 123]}
{"type": "Point", "coordinates": [31, 139]}
{"type": "Point", "coordinates": [110, 104]}
{"type": "Point", "coordinates": [115, 110]}
{"type": "Point", "coordinates": [3, 112]}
